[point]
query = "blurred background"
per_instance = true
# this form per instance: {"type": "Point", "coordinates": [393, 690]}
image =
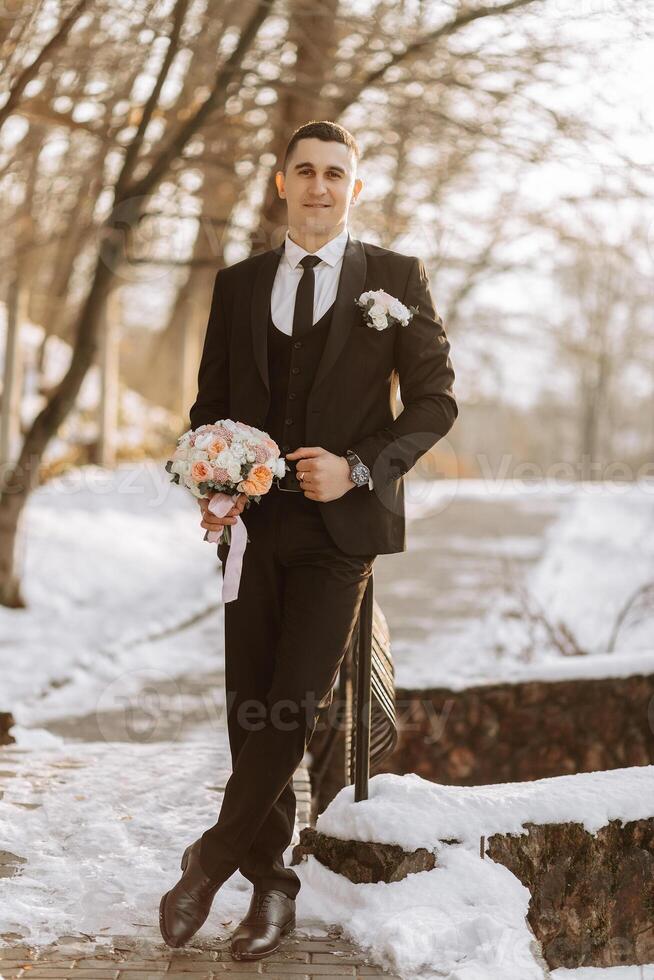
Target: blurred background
{"type": "Point", "coordinates": [509, 145]}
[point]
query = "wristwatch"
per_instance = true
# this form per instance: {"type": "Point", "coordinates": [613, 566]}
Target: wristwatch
{"type": "Point", "coordinates": [359, 472]}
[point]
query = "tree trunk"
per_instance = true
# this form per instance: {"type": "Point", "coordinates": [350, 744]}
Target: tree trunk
{"type": "Point", "coordinates": [20, 479]}
{"type": "Point", "coordinates": [130, 200]}
{"type": "Point", "coordinates": [13, 372]}
{"type": "Point", "coordinates": [11, 505]}
{"type": "Point", "coordinates": [312, 30]}
{"type": "Point", "coordinates": [105, 454]}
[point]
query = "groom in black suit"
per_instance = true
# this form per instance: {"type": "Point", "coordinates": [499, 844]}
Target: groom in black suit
{"type": "Point", "coordinates": [288, 350]}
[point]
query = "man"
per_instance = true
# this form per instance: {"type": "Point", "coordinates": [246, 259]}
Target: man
{"type": "Point", "coordinates": [288, 350]}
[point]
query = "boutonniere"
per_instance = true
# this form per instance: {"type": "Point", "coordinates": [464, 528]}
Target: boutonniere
{"type": "Point", "coordinates": [381, 310]}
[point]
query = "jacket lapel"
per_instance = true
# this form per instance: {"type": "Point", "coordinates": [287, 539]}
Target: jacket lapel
{"type": "Point", "coordinates": [345, 313]}
{"type": "Point", "coordinates": [259, 307]}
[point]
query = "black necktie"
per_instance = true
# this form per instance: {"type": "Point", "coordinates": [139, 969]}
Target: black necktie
{"type": "Point", "coordinates": [303, 310]}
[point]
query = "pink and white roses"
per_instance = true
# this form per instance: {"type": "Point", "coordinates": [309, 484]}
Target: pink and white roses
{"type": "Point", "coordinates": [381, 310]}
{"type": "Point", "coordinates": [219, 461]}
{"type": "Point", "coordinates": [227, 457]}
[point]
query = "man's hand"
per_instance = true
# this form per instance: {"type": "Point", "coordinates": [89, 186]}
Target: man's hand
{"type": "Point", "coordinates": [213, 523]}
{"type": "Point", "coordinates": [325, 476]}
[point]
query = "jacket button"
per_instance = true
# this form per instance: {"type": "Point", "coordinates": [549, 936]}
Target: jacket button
{"type": "Point", "coordinates": [292, 395]}
{"type": "Point", "coordinates": [298, 343]}
{"type": "Point", "coordinates": [295, 370]}
{"type": "Point", "coordinates": [288, 421]}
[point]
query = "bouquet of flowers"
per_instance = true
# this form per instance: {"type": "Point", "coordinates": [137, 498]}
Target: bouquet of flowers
{"type": "Point", "coordinates": [219, 461]}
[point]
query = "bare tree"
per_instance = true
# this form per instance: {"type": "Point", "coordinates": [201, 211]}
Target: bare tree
{"type": "Point", "coordinates": [130, 196]}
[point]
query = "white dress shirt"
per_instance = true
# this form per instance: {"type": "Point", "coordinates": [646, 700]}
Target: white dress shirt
{"type": "Point", "coordinates": [327, 273]}
{"type": "Point", "coordinates": [289, 272]}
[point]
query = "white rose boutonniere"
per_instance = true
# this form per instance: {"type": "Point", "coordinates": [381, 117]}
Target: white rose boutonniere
{"type": "Point", "coordinates": [381, 310]}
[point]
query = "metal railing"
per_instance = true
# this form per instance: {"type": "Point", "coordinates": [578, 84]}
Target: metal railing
{"type": "Point", "coordinates": [372, 732]}
{"type": "Point", "coordinates": [362, 727]}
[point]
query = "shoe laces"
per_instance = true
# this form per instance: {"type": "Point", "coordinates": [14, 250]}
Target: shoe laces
{"type": "Point", "coordinates": [262, 901]}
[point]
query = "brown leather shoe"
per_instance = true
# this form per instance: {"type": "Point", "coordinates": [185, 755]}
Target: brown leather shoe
{"type": "Point", "coordinates": [184, 908]}
{"type": "Point", "coordinates": [270, 916]}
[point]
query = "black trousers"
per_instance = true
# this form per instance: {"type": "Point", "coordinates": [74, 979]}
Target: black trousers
{"type": "Point", "coordinates": [285, 638]}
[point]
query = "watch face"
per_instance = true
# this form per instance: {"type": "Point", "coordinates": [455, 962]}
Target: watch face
{"type": "Point", "coordinates": [359, 474]}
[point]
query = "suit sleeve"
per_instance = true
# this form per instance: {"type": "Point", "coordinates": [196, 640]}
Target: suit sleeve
{"type": "Point", "coordinates": [212, 400]}
{"type": "Point", "coordinates": [426, 379]}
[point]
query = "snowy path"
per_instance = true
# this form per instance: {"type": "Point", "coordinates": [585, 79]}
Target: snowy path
{"type": "Point", "coordinates": [153, 701]}
{"type": "Point", "coordinates": [458, 561]}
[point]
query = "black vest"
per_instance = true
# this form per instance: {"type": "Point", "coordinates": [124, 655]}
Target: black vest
{"type": "Point", "coordinates": [292, 366]}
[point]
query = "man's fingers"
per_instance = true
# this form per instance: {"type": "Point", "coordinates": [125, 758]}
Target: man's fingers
{"type": "Point", "coordinates": [238, 507]}
{"type": "Point", "coordinates": [213, 523]}
{"type": "Point", "coordinates": [305, 452]}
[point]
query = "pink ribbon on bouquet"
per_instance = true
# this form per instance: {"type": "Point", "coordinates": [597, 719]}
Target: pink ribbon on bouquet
{"type": "Point", "coordinates": [219, 504]}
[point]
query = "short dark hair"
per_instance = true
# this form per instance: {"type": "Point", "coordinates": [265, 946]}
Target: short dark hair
{"type": "Point", "coordinates": [325, 130]}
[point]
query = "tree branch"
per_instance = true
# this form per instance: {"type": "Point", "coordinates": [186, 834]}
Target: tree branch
{"type": "Point", "coordinates": [131, 156]}
{"type": "Point", "coordinates": [30, 72]}
{"type": "Point", "coordinates": [451, 27]}
{"type": "Point", "coordinates": [227, 74]}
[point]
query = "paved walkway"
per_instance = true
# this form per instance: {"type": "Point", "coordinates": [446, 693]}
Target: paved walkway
{"type": "Point", "coordinates": [299, 958]}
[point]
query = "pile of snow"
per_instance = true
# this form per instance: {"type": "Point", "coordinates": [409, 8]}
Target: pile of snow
{"type": "Point", "coordinates": [465, 918]}
{"type": "Point", "coordinates": [466, 813]}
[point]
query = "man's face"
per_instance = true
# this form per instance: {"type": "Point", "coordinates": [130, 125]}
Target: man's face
{"type": "Point", "coordinates": [319, 185]}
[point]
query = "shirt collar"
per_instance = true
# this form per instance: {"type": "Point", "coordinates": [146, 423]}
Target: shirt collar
{"type": "Point", "coordinates": [331, 252]}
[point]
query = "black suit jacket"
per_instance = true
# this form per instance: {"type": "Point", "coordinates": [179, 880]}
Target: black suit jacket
{"type": "Point", "coordinates": [352, 403]}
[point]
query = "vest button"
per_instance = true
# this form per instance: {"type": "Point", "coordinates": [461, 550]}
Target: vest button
{"type": "Point", "coordinates": [295, 370]}
{"type": "Point", "coordinates": [288, 421]}
{"type": "Point", "coordinates": [298, 343]}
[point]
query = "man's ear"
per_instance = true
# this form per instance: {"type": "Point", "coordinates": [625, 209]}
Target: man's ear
{"type": "Point", "coordinates": [279, 181]}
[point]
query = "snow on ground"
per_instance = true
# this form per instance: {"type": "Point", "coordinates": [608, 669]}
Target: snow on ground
{"type": "Point", "coordinates": [113, 558]}
{"type": "Point", "coordinates": [600, 553]}
{"type": "Point", "coordinates": [462, 921]}
{"type": "Point", "coordinates": [103, 842]}
{"type": "Point", "coordinates": [595, 556]}
{"type": "Point", "coordinates": [108, 557]}
{"type": "Point", "coordinates": [103, 827]}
